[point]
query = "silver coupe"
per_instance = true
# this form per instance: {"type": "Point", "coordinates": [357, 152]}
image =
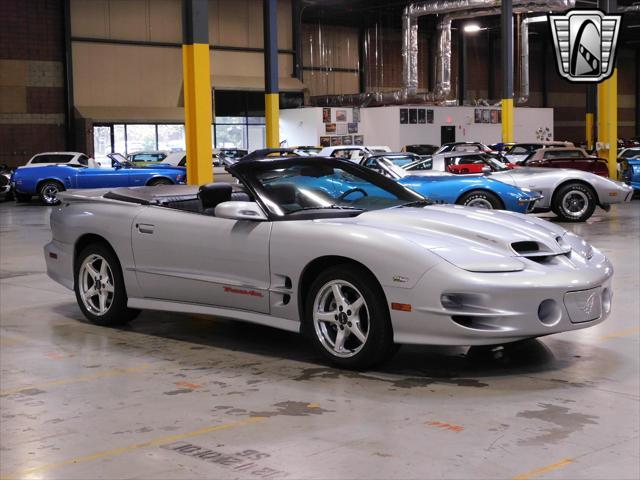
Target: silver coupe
{"type": "Point", "coordinates": [572, 195]}
{"type": "Point", "coordinates": [331, 249]}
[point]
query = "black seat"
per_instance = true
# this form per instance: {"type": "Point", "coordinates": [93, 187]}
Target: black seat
{"type": "Point", "coordinates": [212, 194]}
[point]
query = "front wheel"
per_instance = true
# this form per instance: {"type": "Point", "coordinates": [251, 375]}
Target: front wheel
{"type": "Point", "coordinates": [159, 181]}
{"type": "Point", "coordinates": [480, 199]}
{"type": "Point", "coordinates": [574, 202]}
{"type": "Point", "coordinates": [347, 318]}
{"type": "Point", "coordinates": [48, 192]}
{"type": "Point", "coordinates": [99, 287]}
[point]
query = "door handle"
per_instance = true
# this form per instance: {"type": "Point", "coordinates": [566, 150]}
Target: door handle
{"type": "Point", "coordinates": [145, 228]}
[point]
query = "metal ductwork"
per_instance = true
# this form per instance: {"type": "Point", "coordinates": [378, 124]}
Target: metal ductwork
{"type": "Point", "coordinates": [453, 10]}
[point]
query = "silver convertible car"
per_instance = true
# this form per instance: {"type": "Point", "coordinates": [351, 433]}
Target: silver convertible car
{"type": "Point", "coordinates": [331, 249]}
{"type": "Point", "coordinates": [572, 195]}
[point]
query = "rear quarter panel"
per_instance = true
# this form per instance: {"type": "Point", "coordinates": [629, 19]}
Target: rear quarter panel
{"type": "Point", "coordinates": [110, 220]}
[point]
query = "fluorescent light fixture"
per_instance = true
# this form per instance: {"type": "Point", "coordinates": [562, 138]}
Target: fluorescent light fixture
{"type": "Point", "coordinates": [472, 28]}
{"type": "Point", "coordinates": [538, 19]}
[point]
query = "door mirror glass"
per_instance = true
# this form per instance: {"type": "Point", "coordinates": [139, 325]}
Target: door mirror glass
{"type": "Point", "coordinates": [240, 211]}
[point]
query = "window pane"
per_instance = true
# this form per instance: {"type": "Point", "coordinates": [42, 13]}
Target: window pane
{"type": "Point", "coordinates": [171, 137]}
{"type": "Point", "coordinates": [119, 144]}
{"type": "Point", "coordinates": [256, 120]}
{"type": "Point", "coordinates": [101, 141]}
{"type": "Point", "coordinates": [230, 119]}
{"type": "Point", "coordinates": [141, 137]}
{"type": "Point", "coordinates": [257, 137]}
{"type": "Point", "coordinates": [231, 136]}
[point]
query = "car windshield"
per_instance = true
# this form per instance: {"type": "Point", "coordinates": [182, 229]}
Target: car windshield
{"type": "Point", "coordinates": [632, 152]}
{"type": "Point", "coordinates": [401, 160]}
{"type": "Point", "coordinates": [495, 164]}
{"type": "Point", "coordinates": [328, 186]}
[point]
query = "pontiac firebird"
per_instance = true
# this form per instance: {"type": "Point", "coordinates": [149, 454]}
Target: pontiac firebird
{"type": "Point", "coordinates": [358, 269]}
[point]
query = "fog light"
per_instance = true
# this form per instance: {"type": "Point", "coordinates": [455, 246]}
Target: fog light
{"type": "Point", "coordinates": [549, 312]}
{"type": "Point", "coordinates": [606, 300]}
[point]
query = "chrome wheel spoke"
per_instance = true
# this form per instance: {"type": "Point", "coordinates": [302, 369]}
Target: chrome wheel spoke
{"type": "Point", "coordinates": [93, 273]}
{"type": "Point", "coordinates": [102, 301]}
{"type": "Point", "coordinates": [90, 293]}
{"type": "Point", "coordinates": [103, 269]}
{"type": "Point", "coordinates": [340, 339]}
{"type": "Point", "coordinates": [337, 295]}
{"type": "Point", "coordinates": [359, 334]}
{"type": "Point", "coordinates": [108, 288]}
{"type": "Point", "coordinates": [356, 305]}
{"type": "Point", "coordinates": [327, 317]}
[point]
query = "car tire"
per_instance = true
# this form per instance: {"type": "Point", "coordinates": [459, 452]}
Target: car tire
{"type": "Point", "coordinates": [48, 191]}
{"type": "Point", "coordinates": [481, 199]}
{"type": "Point", "coordinates": [159, 181]}
{"type": "Point", "coordinates": [22, 197]}
{"type": "Point", "coordinates": [574, 202]}
{"type": "Point", "coordinates": [365, 335]}
{"type": "Point", "coordinates": [97, 270]}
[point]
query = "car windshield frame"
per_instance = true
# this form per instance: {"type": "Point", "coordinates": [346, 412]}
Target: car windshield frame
{"type": "Point", "coordinates": [247, 174]}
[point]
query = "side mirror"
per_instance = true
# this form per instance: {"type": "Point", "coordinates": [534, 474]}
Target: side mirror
{"type": "Point", "coordinates": [486, 170]}
{"type": "Point", "coordinates": [240, 211]}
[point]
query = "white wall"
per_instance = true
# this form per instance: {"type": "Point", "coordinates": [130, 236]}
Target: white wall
{"type": "Point", "coordinates": [381, 125]}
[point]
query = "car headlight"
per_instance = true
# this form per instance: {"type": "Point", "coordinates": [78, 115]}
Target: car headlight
{"type": "Point", "coordinates": [578, 245]}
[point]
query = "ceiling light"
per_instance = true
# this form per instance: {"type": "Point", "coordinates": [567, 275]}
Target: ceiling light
{"type": "Point", "coordinates": [541, 18]}
{"type": "Point", "coordinates": [472, 28]}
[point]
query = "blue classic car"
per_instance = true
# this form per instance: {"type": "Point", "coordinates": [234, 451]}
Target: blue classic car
{"type": "Point", "coordinates": [470, 190]}
{"type": "Point", "coordinates": [633, 173]}
{"type": "Point", "coordinates": [47, 181]}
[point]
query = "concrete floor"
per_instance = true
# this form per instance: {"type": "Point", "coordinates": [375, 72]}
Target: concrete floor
{"type": "Point", "coordinates": [184, 396]}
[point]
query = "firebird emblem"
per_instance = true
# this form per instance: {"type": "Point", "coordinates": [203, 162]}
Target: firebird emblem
{"type": "Point", "coordinates": [588, 305]}
{"type": "Point", "coordinates": [585, 43]}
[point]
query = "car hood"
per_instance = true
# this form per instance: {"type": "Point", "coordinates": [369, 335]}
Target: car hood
{"type": "Point", "coordinates": [473, 239]}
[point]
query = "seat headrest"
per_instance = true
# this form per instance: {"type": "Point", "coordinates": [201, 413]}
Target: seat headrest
{"type": "Point", "coordinates": [212, 194]}
{"type": "Point", "coordinates": [283, 193]}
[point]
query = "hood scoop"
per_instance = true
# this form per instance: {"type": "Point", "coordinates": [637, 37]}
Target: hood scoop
{"type": "Point", "coordinates": [539, 252]}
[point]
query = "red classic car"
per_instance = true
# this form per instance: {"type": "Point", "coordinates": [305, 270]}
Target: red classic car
{"type": "Point", "coordinates": [567, 158]}
{"type": "Point", "coordinates": [472, 163]}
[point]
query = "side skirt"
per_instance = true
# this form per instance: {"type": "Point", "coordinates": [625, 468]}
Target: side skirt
{"type": "Point", "coordinates": [243, 315]}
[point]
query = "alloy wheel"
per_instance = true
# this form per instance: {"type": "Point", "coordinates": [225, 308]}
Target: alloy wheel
{"type": "Point", "coordinates": [96, 284]}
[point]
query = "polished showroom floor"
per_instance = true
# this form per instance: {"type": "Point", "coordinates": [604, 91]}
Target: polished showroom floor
{"type": "Point", "coordinates": [187, 396]}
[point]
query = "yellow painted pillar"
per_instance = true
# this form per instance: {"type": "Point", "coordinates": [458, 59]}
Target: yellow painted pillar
{"type": "Point", "coordinates": [197, 91]}
{"type": "Point", "coordinates": [271, 91]}
{"type": "Point", "coordinates": [507, 120]}
{"type": "Point", "coordinates": [589, 131]}
{"type": "Point", "coordinates": [608, 122]}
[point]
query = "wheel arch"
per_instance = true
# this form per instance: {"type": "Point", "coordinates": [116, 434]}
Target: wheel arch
{"type": "Point", "coordinates": [574, 180]}
{"type": "Point", "coordinates": [87, 239]}
{"type": "Point", "coordinates": [474, 189]}
{"type": "Point", "coordinates": [49, 179]}
{"type": "Point", "coordinates": [316, 266]}
{"type": "Point", "coordinates": [159, 177]}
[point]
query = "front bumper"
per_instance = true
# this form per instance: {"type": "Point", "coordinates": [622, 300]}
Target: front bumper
{"type": "Point", "coordinates": [623, 193]}
{"type": "Point", "coordinates": [504, 307]}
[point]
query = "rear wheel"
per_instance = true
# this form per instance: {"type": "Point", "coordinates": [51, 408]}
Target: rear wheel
{"type": "Point", "coordinates": [99, 287]}
{"type": "Point", "coordinates": [159, 181]}
{"type": "Point", "coordinates": [347, 318]}
{"type": "Point", "coordinates": [574, 202]}
{"type": "Point", "coordinates": [480, 199]}
{"type": "Point", "coordinates": [48, 191]}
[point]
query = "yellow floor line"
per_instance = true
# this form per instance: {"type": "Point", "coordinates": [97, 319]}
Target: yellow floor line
{"type": "Point", "coordinates": [541, 470]}
{"type": "Point", "coordinates": [119, 451]}
{"type": "Point", "coordinates": [621, 333]}
{"type": "Point", "coordinates": [116, 372]}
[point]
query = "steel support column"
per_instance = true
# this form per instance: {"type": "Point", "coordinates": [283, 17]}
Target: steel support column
{"type": "Point", "coordinates": [271, 92]}
{"type": "Point", "coordinates": [590, 116]}
{"type": "Point", "coordinates": [362, 59]}
{"type": "Point", "coordinates": [637, 92]}
{"type": "Point", "coordinates": [69, 109]}
{"type": "Point", "coordinates": [608, 109]}
{"type": "Point", "coordinates": [462, 66]}
{"type": "Point", "coordinates": [506, 22]}
{"type": "Point", "coordinates": [197, 90]}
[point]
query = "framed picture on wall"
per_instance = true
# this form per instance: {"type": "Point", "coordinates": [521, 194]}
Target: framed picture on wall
{"type": "Point", "coordinates": [341, 115]}
{"type": "Point", "coordinates": [477, 116]}
{"type": "Point", "coordinates": [356, 115]}
{"type": "Point", "coordinates": [486, 116]}
{"type": "Point", "coordinates": [413, 115]}
{"type": "Point", "coordinates": [494, 116]}
{"type": "Point", "coordinates": [499, 116]}
{"type": "Point", "coordinates": [422, 115]}
{"type": "Point", "coordinates": [336, 140]}
{"type": "Point", "coordinates": [404, 116]}
{"type": "Point", "coordinates": [330, 128]}
{"type": "Point", "coordinates": [347, 140]}
{"type": "Point", "coordinates": [352, 127]}
{"type": "Point", "coordinates": [429, 116]}
{"type": "Point", "coordinates": [341, 128]}
{"type": "Point", "coordinates": [325, 141]}
{"type": "Point", "coordinates": [358, 139]}
{"type": "Point", "coordinates": [326, 115]}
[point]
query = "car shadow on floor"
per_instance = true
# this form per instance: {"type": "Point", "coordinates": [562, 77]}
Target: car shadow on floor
{"type": "Point", "coordinates": [202, 332]}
